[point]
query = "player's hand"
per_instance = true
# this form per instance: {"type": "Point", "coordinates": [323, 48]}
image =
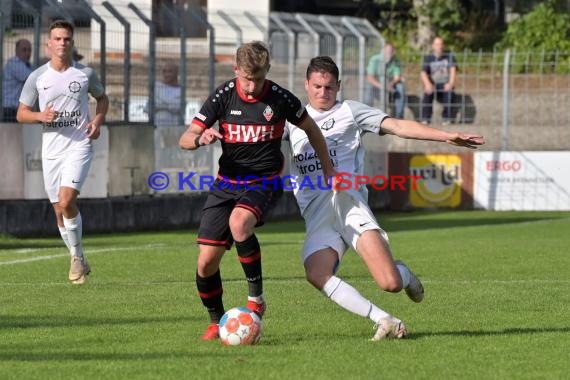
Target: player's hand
{"type": "Point", "coordinates": [48, 114]}
{"type": "Point", "coordinates": [468, 141]}
{"type": "Point", "coordinates": [210, 136]}
{"type": "Point", "coordinates": [331, 179]}
{"type": "Point", "coordinates": [93, 131]}
{"type": "Point", "coordinates": [429, 89]}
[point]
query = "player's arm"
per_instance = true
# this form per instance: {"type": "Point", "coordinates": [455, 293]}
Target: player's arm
{"type": "Point", "coordinates": [409, 129]}
{"type": "Point", "coordinates": [318, 142]}
{"type": "Point", "coordinates": [101, 109]}
{"type": "Point", "coordinates": [27, 115]}
{"type": "Point", "coordinates": [195, 136]}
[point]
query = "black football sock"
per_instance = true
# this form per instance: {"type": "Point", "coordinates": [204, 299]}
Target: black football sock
{"type": "Point", "coordinates": [249, 255]}
{"type": "Point", "coordinates": [210, 291]}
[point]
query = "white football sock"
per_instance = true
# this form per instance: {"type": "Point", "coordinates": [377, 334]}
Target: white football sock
{"type": "Point", "coordinates": [258, 299]}
{"type": "Point", "coordinates": [405, 274]}
{"type": "Point", "coordinates": [63, 233]}
{"type": "Point", "coordinates": [350, 299]}
{"type": "Point", "coordinates": [74, 229]}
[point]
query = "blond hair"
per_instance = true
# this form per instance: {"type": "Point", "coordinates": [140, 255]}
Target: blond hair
{"type": "Point", "coordinates": [253, 57]}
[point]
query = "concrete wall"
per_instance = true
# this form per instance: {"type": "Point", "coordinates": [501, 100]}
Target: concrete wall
{"type": "Point", "coordinates": [12, 155]}
{"type": "Point", "coordinates": [120, 214]}
{"type": "Point", "coordinates": [25, 218]}
{"type": "Point", "coordinates": [131, 159]}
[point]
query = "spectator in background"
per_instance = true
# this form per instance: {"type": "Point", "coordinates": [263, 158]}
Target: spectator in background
{"type": "Point", "coordinates": [16, 71]}
{"type": "Point", "coordinates": [438, 77]}
{"type": "Point", "coordinates": [167, 98]}
{"type": "Point", "coordinates": [167, 118]}
{"type": "Point", "coordinates": [384, 73]}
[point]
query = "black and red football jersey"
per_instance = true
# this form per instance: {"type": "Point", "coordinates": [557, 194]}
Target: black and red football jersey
{"type": "Point", "coordinates": [252, 128]}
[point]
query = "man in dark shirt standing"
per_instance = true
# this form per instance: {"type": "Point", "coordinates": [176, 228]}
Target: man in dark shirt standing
{"type": "Point", "coordinates": [16, 71]}
{"type": "Point", "coordinates": [438, 77]}
{"type": "Point", "coordinates": [251, 112]}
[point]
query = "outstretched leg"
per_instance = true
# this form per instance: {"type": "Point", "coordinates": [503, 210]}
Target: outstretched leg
{"type": "Point", "coordinates": [320, 268]}
{"type": "Point", "coordinates": [389, 275]}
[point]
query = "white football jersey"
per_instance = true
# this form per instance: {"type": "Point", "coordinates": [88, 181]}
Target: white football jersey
{"type": "Point", "coordinates": [342, 127]}
{"type": "Point", "coordinates": [67, 92]}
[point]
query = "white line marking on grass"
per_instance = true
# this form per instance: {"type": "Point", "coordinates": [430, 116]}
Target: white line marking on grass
{"type": "Point", "coordinates": [159, 245]}
{"type": "Point", "coordinates": [300, 280]}
{"type": "Point", "coordinates": [491, 281]}
{"type": "Point", "coordinates": [473, 226]}
{"type": "Point", "coordinates": [31, 259]}
{"type": "Point", "coordinates": [87, 252]}
{"type": "Point", "coordinates": [31, 250]}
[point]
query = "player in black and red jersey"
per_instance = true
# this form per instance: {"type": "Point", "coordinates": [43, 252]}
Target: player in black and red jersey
{"type": "Point", "coordinates": [251, 111]}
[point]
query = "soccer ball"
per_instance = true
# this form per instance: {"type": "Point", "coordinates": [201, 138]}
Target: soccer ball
{"type": "Point", "coordinates": [239, 327]}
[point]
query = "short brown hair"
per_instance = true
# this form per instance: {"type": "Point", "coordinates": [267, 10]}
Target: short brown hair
{"type": "Point", "coordinates": [253, 57]}
{"type": "Point", "coordinates": [61, 24]}
{"type": "Point", "coordinates": [322, 64]}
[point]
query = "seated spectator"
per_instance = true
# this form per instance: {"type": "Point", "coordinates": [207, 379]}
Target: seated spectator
{"type": "Point", "coordinates": [384, 68]}
{"type": "Point", "coordinates": [438, 77]}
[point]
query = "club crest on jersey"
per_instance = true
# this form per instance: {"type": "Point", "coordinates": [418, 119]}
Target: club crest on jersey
{"type": "Point", "coordinates": [74, 86]}
{"type": "Point", "coordinates": [268, 113]}
{"type": "Point", "coordinates": [327, 125]}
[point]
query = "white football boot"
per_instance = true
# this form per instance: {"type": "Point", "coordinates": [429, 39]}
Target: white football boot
{"type": "Point", "coordinates": [389, 328]}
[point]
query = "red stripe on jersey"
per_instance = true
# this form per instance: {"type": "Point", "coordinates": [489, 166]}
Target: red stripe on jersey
{"type": "Point", "coordinates": [217, 243]}
{"type": "Point", "coordinates": [239, 133]}
{"type": "Point", "coordinates": [250, 259]}
{"type": "Point", "coordinates": [200, 123]}
{"type": "Point", "coordinates": [255, 211]}
{"type": "Point", "coordinates": [251, 179]}
{"type": "Point", "coordinates": [211, 294]}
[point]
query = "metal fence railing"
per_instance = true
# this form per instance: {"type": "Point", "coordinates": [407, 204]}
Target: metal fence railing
{"type": "Point", "coordinates": [530, 90]}
{"type": "Point", "coordinates": [537, 87]}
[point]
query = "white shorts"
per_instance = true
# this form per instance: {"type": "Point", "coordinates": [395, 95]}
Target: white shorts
{"type": "Point", "coordinates": [69, 170]}
{"type": "Point", "coordinates": [336, 220]}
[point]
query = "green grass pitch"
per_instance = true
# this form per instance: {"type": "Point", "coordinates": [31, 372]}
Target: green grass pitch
{"type": "Point", "coordinates": [497, 306]}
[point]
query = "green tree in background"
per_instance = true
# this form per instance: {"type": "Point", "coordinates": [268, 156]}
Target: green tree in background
{"type": "Point", "coordinates": [462, 23]}
{"type": "Point", "coordinates": [543, 35]}
{"type": "Point", "coordinates": [544, 28]}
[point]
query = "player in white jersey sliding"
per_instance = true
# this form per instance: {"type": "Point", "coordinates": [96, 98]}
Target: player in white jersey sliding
{"type": "Point", "coordinates": [338, 219]}
{"type": "Point", "coordinates": [61, 88]}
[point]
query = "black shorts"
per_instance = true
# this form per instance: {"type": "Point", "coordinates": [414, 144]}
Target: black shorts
{"type": "Point", "coordinates": [214, 222]}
